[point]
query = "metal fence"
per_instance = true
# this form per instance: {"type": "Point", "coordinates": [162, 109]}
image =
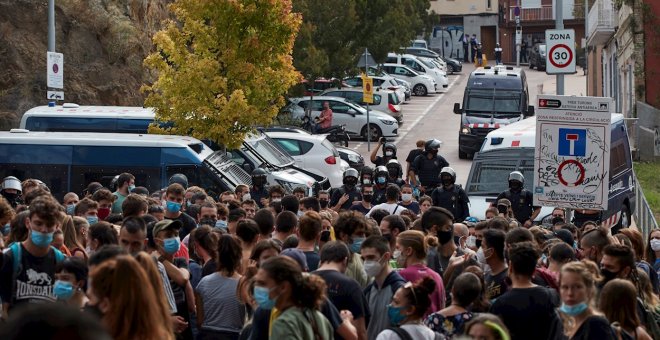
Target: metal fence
{"type": "Point", "coordinates": [644, 218]}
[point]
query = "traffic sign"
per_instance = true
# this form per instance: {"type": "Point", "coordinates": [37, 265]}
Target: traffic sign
{"type": "Point", "coordinates": [55, 95]}
{"type": "Point", "coordinates": [55, 71]}
{"type": "Point", "coordinates": [572, 157]}
{"type": "Point", "coordinates": [560, 58]}
{"type": "Point", "coordinates": [368, 90]}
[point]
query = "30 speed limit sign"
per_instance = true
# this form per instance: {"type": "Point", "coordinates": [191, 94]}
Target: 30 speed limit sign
{"type": "Point", "coordinates": [560, 47]}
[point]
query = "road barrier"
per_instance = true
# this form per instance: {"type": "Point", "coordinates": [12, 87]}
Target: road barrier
{"type": "Point", "coordinates": [644, 218]}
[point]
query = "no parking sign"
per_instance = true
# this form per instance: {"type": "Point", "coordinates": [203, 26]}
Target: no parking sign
{"type": "Point", "coordinates": [560, 58]}
{"type": "Point", "coordinates": [572, 157]}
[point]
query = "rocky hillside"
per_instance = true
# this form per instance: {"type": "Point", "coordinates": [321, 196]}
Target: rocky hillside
{"type": "Point", "coordinates": [103, 41]}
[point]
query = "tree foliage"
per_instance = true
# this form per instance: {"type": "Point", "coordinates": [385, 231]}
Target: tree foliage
{"type": "Point", "coordinates": [222, 67]}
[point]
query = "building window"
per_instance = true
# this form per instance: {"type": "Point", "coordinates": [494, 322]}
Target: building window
{"type": "Point", "coordinates": [489, 4]}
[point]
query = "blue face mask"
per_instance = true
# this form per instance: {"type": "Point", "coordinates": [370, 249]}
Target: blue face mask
{"type": "Point", "coordinates": [262, 297]}
{"type": "Point", "coordinates": [357, 244]}
{"type": "Point", "coordinates": [222, 224]}
{"type": "Point", "coordinates": [131, 188]}
{"type": "Point", "coordinates": [381, 180]}
{"type": "Point", "coordinates": [92, 219]}
{"type": "Point", "coordinates": [395, 315]}
{"type": "Point", "coordinates": [70, 209]}
{"type": "Point", "coordinates": [574, 309]}
{"type": "Point", "coordinates": [63, 290]}
{"type": "Point", "coordinates": [173, 206]}
{"type": "Point", "coordinates": [41, 240]}
{"type": "Point", "coordinates": [171, 245]}
{"type": "Point", "coordinates": [6, 229]}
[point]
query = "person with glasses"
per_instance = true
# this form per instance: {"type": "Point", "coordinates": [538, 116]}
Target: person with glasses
{"type": "Point", "coordinates": [407, 310]}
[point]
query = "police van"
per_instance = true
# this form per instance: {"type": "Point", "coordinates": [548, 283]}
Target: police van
{"type": "Point", "coordinates": [257, 151]}
{"type": "Point", "coordinates": [511, 148]}
{"type": "Point", "coordinates": [495, 96]}
{"type": "Point", "coordinates": [67, 161]}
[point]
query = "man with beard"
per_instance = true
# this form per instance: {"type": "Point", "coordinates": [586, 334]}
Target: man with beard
{"type": "Point", "coordinates": [451, 196]}
{"type": "Point", "coordinates": [427, 166]}
{"type": "Point", "coordinates": [521, 200]}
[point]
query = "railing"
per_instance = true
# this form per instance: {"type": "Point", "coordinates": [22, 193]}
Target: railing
{"type": "Point", "coordinates": [545, 12]}
{"type": "Point", "coordinates": [644, 218]}
{"type": "Point", "coordinates": [602, 16]}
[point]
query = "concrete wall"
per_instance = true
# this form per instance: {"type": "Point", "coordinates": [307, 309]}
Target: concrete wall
{"type": "Point", "coordinates": [648, 132]}
{"type": "Point", "coordinates": [462, 7]}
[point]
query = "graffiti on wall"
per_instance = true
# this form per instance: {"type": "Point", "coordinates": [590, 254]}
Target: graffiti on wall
{"type": "Point", "coordinates": [448, 40]}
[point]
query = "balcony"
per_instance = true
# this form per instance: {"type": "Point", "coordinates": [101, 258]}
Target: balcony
{"type": "Point", "coordinates": [602, 22]}
{"type": "Point", "coordinates": [545, 12]}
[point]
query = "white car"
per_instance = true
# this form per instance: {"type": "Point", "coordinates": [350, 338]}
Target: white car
{"type": "Point", "coordinates": [420, 66]}
{"type": "Point", "coordinates": [313, 153]}
{"type": "Point", "coordinates": [421, 83]}
{"type": "Point", "coordinates": [384, 81]}
{"type": "Point", "coordinates": [347, 113]}
{"type": "Point", "coordinates": [383, 100]}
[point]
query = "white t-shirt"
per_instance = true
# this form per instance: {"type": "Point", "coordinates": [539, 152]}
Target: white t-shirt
{"type": "Point", "coordinates": [416, 331]}
{"type": "Point", "coordinates": [392, 208]}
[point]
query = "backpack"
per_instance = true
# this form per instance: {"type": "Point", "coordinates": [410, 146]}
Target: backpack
{"type": "Point", "coordinates": [404, 335]}
{"type": "Point", "coordinates": [650, 320]}
{"type": "Point", "coordinates": [17, 250]}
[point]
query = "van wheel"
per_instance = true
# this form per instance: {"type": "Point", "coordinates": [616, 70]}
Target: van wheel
{"type": "Point", "coordinates": [462, 155]}
{"type": "Point", "coordinates": [375, 132]}
{"type": "Point", "coordinates": [420, 90]}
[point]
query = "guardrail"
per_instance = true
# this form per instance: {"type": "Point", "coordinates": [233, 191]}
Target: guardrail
{"type": "Point", "coordinates": [644, 218]}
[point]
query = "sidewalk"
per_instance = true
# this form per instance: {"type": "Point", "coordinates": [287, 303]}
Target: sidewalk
{"type": "Point", "coordinates": [574, 84]}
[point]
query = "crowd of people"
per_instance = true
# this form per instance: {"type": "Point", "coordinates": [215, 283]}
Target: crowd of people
{"type": "Point", "coordinates": [389, 255]}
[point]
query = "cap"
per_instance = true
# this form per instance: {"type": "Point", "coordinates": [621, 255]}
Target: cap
{"type": "Point", "coordinates": [504, 201]}
{"type": "Point", "coordinates": [165, 225]}
{"type": "Point", "coordinates": [298, 256]}
{"type": "Point", "coordinates": [565, 236]}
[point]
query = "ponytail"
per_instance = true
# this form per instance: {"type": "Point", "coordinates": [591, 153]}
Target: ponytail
{"type": "Point", "coordinates": [312, 292]}
{"type": "Point", "coordinates": [418, 294]}
{"type": "Point", "coordinates": [307, 291]}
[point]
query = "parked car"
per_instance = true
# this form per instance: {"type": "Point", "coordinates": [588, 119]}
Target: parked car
{"type": "Point", "coordinates": [537, 57]}
{"type": "Point", "coordinates": [421, 66]}
{"type": "Point", "coordinates": [421, 83]}
{"type": "Point", "coordinates": [420, 52]}
{"type": "Point", "coordinates": [347, 113]}
{"type": "Point", "coordinates": [320, 84]}
{"type": "Point", "coordinates": [312, 152]}
{"type": "Point", "coordinates": [382, 80]}
{"type": "Point", "coordinates": [453, 65]}
{"type": "Point", "coordinates": [383, 100]}
{"type": "Point", "coordinates": [420, 43]}
{"type": "Point", "coordinates": [406, 86]}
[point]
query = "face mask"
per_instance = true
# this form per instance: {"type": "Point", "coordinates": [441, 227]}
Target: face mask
{"type": "Point", "coordinates": [357, 244]}
{"type": "Point", "coordinates": [575, 245]}
{"type": "Point", "coordinates": [6, 229]}
{"type": "Point", "coordinates": [367, 197]}
{"type": "Point", "coordinates": [395, 315]}
{"type": "Point", "coordinates": [388, 154]}
{"type": "Point", "coordinates": [557, 219]}
{"type": "Point", "coordinates": [372, 268]}
{"type": "Point", "coordinates": [471, 241]}
{"type": "Point", "coordinates": [608, 275]}
{"type": "Point", "coordinates": [457, 240]}
{"type": "Point", "coordinates": [171, 245]}
{"type": "Point", "coordinates": [515, 186]}
{"type": "Point", "coordinates": [655, 245]}
{"type": "Point", "coordinates": [323, 203]}
{"type": "Point", "coordinates": [445, 236]}
{"type": "Point", "coordinates": [246, 197]}
{"type": "Point", "coordinates": [103, 213]}
{"type": "Point", "coordinates": [188, 204]}
{"type": "Point", "coordinates": [173, 206]}
{"type": "Point", "coordinates": [477, 242]}
{"type": "Point", "coordinates": [262, 297]}
{"type": "Point", "coordinates": [70, 209]}
{"type": "Point", "coordinates": [573, 310]}
{"type": "Point", "coordinates": [131, 188]}
{"type": "Point", "coordinates": [41, 240]}
{"type": "Point", "coordinates": [207, 221]}
{"type": "Point", "coordinates": [92, 219]}
{"type": "Point", "coordinates": [366, 181]}
{"type": "Point", "coordinates": [406, 197]}
{"type": "Point", "coordinates": [400, 258]}
{"type": "Point", "coordinates": [276, 200]}
{"type": "Point", "coordinates": [63, 290]}
{"type": "Point", "coordinates": [388, 237]}
{"type": "Point", "coordinates": [502, 209]}
{"type": "Point", "coordinates": [300, 213]}
{"type": "Point", "coordinates": [446, 182]}
{"type": "Point", "coordinates": [10, 197]}
{"type": "Point", "coordinates": [222, 224]}
{"type": "Point", "coordinates": [434, 152]}
{"type": "Point", "coordinates": [381, 180]}
{"type": "Point", "coordinates": [481, 258]}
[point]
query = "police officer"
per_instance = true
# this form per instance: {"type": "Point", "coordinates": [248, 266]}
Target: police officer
{"type": "Point", "coordinates": [258, 190]}
{"type": "Point", "coordinates": [381, 184]}
{"type": "Point", "coordinates": [367, 175]}
{"type": "Point", "coordinates": [389, 152]}
{"type": "Point", "coordinates": [451, 196]}
{"type": "Point", "coordinates": [394, 173]}
{"type": "Point", "coordinates": [427, 167]}
{"type": "Point", "coordinates": [521, 200]}
{"type": "Point", "coordinates": [343, 198]}
{"type": "Point", "coordinates": [11, 190]}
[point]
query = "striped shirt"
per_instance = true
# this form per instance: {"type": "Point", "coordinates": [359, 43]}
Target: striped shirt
{"type": "Point", "coordinates": [222, 310]}
{"type": "Point", "coordinates": [167, 287]}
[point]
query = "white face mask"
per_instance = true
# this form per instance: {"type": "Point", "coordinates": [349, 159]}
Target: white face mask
{"type": "Point", "coordinates": [388, 154]}
{"type": "Point", "coordinates": [406, 197]}
{"type": "Point", "coordinates": [471, 241]}
{"type": "Point", "coordinates": [655, 245]}
{"type": "Point", "coordinates": [372, 268]}
{"type": "Point", "coordinates": [246, 197]}
{"type": "Point", "coordinates": [481, 258]}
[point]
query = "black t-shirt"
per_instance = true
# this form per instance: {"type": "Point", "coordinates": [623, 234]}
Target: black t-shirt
{"type": "Point", "coordinates": [345, 293]}
{"type": "Point", "coordinates": [428, 170]}
{"type": "Point", "coordinates": [527, 312]}
{"type": "Point", "coordinates": [209, 268]}
{"type": "Point", "coordinates": [188, 224]}
{"type": "Point", "coordinates": [380, 160]}
{"type": "Point", "coordinates": [412, 206]}
{"type": "Point", "coordinates": [594, 327]}
{"type": "Point", "coordinates": [521, 203]}
{"type": "Point", "coordinates": [359, 207]}
{"type": "Point", "coordinates": [34, 282]}
{"type": "Point", "coordinates": [313, 260]}
{"type": "Point", "coordinates": [353, 195]}
{"type": "Point", "coordinates": [413, 154]}
{"type": "Point", "coordinates": [496, 285]}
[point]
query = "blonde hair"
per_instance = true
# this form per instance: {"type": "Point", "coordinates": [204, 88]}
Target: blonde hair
{"type": "Point", "coordinates": [416, 240]}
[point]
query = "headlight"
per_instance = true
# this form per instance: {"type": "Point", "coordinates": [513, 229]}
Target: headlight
{"type": "Point", "coordinates": [465, 130]}
{"type": "Point", "coordinates": [387, 122]}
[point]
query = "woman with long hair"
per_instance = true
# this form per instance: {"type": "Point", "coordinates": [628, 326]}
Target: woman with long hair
{"type": "Point", "coordinates": [407, 309]}
{"type": "Point", "coordinates": [577, 288]}
{"type": "Point", "coordinates": [71, 238]}
{"type": "Point", "coordinates": [652, 255]}
{"type": "Point", "coordinates": [450, 321]}
{"type": "Point", "coordinates": [204, 245]}
{"type": "Point", "coordinates": [296, 297]}
{"type": "Point", "coordinates": [129, 311]}
{"type": "Point", "coordinates": [82, 227]}
{"type": "Point", "coordinates": [151, 269]}
{"type": "Point", "coordinates": [618, 301]}
{"type": "Point", "coordinates": [220, 314]}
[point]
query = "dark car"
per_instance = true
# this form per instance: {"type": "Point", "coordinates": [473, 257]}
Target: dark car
{"type": "Point", "coordinates": [453, 65]}
{"type": "Point", "coordinates": [537, 57]}
{"type": "Point", "coordinates": [353, 158]}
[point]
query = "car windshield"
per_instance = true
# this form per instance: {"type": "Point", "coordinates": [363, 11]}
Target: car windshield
{"type": "Point", "coordinates": [428, 63]}
{"type": "Point", "coordinates": [493, 101]}
{"type": "Point", "coordinates": [221, 164]}
{"type": "Point", "coordinates": [268, 150]}
{"type": "Point", "coordinates": [488, 176]}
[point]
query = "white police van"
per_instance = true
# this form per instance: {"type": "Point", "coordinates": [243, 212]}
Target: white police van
{"type": "Point", "coordinates": [511, 148]}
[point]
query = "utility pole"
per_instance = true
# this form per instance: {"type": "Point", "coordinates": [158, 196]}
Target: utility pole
{"type": "Point", "coordinates": [586, 46]}
{"type": "Point", "coordinates": [518, 37]}
{"type": "Point", "coordinates": [559, 24]}
{"type": "Point", "coordinates": [366, 74]}
{"type": "Point", "coordinates": [51, 25]}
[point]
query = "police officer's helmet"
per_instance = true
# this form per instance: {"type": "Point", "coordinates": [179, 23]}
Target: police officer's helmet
{"type": "Point", "coordinates": [180, 179]}
{"type": "Point", "coordinates": [394, 168]}
{"type": "Point", "coordinates": [350, 177]}
{"type": "Point", "coordinates": [517, 176]}
{"type": "Point", "coordinates": [391, 148]}
{"type": "Point", "coordinates": [11, 182]}
{"type": "Point", "coordinates": [432, 144]}
{"type": "Point", "coordinates": [381, 170]}
{"type": "Point", "coordinates": [259, 176]}
{"type": "Point", "coordinates": [448, 171]}
{"type": "Point", "coordinates": [367, 170]}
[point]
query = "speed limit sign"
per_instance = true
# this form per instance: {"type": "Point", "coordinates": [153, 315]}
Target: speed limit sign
{"type": "Point", "coordinates": [560, 47]}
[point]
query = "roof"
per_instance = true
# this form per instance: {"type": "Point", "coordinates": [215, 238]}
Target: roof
{"type": "Point", "coordinates": [72, 110]}
{"type": "Point", "coordinates": [296, 135]}
{"type": "Point", "coordinates": [500, 70]}
{"type": "Point", "coordinates": [18, 136]}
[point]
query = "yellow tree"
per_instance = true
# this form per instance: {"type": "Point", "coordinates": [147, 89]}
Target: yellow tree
{"type": "Point", "coordinates": [223, 67]}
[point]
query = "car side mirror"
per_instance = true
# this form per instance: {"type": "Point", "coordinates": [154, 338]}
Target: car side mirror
{"type": "Point", "coordinates": [457, 108]}
{"type": "Point", "coordinates": [530, 111]}
{"type": "Point", "coordinates": [351, 112]}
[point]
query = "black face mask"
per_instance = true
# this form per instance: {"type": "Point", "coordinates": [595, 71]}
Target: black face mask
{"type": "Point", "coordinates": [323, 203]}
{"type": "Point", "coordinates": [457, 240]}
{"type": "Point", "coordinates": [11, 197]}
{"type": "Point", "coordinates": [502, 209]}
{"type": "Point", "coordinates": [367, 197]}
{"type": "Point", "coordinates": [447, 182]}
{"type": "Point", "coordinates": [445, 236]}
{"type": "Point", "coordinates": [515, 186]}
{"type": "Point", "coordinates": [608, 275]}
{"type": "Point", "coordinates": [388, 237]}
{"type": "Point", "coordinates": [325, 235]}
{"type": "Point", "coordinates": [557, 219]}
{"type": "Point", "coordinates": [477, 242]}
{"type": "Point", "coordinates": [207, 221]}
{"type": "Point", "coordinates": [434, 152]}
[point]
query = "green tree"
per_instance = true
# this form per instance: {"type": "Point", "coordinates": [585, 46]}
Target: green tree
{"type": "Point", "coordinates": [222, 67]}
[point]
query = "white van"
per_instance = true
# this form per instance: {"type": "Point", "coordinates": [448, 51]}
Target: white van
{"type": "Point", "coordinates": [421, 66]}
{"type": "Point", "coordinates": [511, 148]}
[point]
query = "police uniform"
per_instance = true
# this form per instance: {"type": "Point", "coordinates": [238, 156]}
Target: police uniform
{"type": "Point", "coordinates": [521, 204]}
{"type": "Point", "coordinates": [353, 195]}
{"type": "Point", "coordinates": [257, 194]}
{"type": "Point", "coordinates": [398, 181]}
{"type": "Point", "coordinates": [379, 195]}
{"type": "Point", "coordinates": [454, 200]}
{"type": "Point", "coordinates": [428, 169]}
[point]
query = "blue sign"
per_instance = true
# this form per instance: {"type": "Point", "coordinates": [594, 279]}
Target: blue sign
{"type": "Point", "coordinates": [572, 142]}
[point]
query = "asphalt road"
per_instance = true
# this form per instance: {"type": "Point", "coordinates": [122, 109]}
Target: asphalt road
{"type": "Point", "coordinates": [433, 117]}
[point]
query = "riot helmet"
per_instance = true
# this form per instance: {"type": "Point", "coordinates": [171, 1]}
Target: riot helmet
{"type": "Point", "coordinates": [179, 178]}
{"type": "Point", "coordinates": [259, 177]}
{"type": "Point", "coordinates": [447, 176]}
{"type": "Point", "coordinates": [367, 175]}
{"type": "Point", "coordinates": [516, 180]}
{"type": "Point", "coordinates": [350, 178]}
{"type": "Point", "coordinates": [11, 189]}
{"type": "Point", "coordinates": [432, 145]}
{"type": "Point", "coordinates": [394, 169]}
{"type": "Point", "coordinates": [381, 175]}
{"type": "Point", "coordinates": [389, 150]}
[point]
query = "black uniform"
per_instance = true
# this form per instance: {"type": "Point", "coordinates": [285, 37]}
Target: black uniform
{"type": "Point", "coordinates": [454, 199]}
{"type": "Point", "coordinates": [382, 160]}
{"type": "Point", "coordinates": [521, 204]}
{"type": "Point", "coordinates": [258, 193]}
{"type": "Point", "coordinates": [353, 195]}
{"type": "Point", "coordinates": [379, 195]}
{"type": "Point", "coordinates": [398, 181]}
{"type": "Point", "coordinates": [428, 170]}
